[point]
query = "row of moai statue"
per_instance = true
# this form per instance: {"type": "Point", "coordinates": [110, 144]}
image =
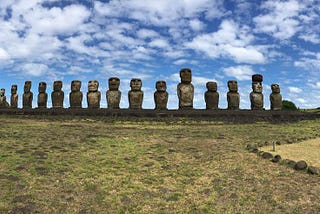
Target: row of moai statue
{"type": "Point", "coordinates": [185, 92]}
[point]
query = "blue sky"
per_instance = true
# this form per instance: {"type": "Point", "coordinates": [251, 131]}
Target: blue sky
{"type": "Point", "coordinates": [47, 40]}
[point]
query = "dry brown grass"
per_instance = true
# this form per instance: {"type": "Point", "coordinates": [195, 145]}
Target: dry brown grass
{"type": "Point", "coordinates": [308, 151]}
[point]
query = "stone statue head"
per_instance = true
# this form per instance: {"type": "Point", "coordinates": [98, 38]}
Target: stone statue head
{"type": "Point", "coordinates": [135, 84]}
{"type": "Point", "coordinates": [185, 75]}
{"type": "Point", "coordinates": [233, 86]}
{"type": "Point", "coordinates": [14, 89]}
{"type": "Point", "coordinates": [57, 85]}
{"type": "Point", "coordinates": [75, 85]}
{"type": "Point", "coordinates": [27, 86]}
{"type": "Point", "coordinates": [42, 87]}
{"type": "Point", "coordinates": [257, 87]}
{"type": "Point", "coordinates": [275, 88]}
{"type": "Point", "coordinates": [114, 83]}
{"type": "Point", "coordinates": [161, 86]}
{"type": "Point", "coordinates": [93, 86]}
{"type": "Point", "coordinates": [212, 86]}
{"type": "Point", "coordinates": [2, 92]}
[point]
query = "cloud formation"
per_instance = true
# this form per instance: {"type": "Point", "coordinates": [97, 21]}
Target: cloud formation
{"type": "Point", "coordinates": [219, 40]}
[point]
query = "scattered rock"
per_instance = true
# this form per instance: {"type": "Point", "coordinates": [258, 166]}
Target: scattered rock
{"type": "Point", "coordinates": [313, 170]}
{"type": "Point", "coordinates": [301, 165]}
{"type": "Point", "coordinates": [148, 164]}
{"type": "Point", "coordinates": [291, 163]}
{"type": "Point", "coordinates": [276, 159]}
{"type": "Point", "coordinates": [254, 150]}
{"type": "Point", "coordinates": [267, 155]}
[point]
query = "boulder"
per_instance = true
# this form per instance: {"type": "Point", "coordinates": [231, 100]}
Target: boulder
{"type": "Point", "coordinates": [267, 155]}
{"type": "Point", "coordinates": [276, 159]}
{"type": "Point", "coordinates": [313, 170]}
{"type": "Point", "coordinates": [301, 165]}
{"type": "Point", "coordinates": [291, 163]}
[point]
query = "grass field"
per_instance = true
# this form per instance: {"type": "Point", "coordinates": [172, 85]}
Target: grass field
{"type": "Point", "coordinates": [79, 165]}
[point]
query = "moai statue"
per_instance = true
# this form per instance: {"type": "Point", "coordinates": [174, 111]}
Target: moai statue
{"type": "Point", "coordinates": [135, 94]}
{"type": "Point", "coordinates": [93, 95]}
{"type": "Point", "coordinates": [161, 96]}
{"type": "Point", "coordinates": [233, 96]}
{"type": "Point", "coordinates": [256, 96]}
{"type": "Point", "coordinates": [185, 89]}
{"type": "Point", "coordinates": [57, 96]}
{"type": "Point", "coordinates": [27, 95]}
{"type": "Point", "coordinates": [3, 99]}
{"type": "Point", "coordinates": [211, 96]}
{"type": "Point", "coordinates": [113, 94]}
{"type": "Point", "coordinates": [275, 98]}
{"type": "Point", "coordinates": [14, 97]}
{"type": "Point", "coordinates": [75, 96]}
{"type": "Point", "coordinates": [42, 96]}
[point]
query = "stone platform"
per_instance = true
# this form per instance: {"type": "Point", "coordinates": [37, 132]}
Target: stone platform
{"type": "Point", "coordinates": [236, 116]}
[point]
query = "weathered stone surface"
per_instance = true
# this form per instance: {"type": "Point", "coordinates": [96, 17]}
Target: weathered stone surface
{"type": "Point", "coordinates": [57, 96]}
{"type": "Point", "coordinates": [42, 96]}
{"type": "Point", "coordinates": [27, 96]}
{"type": "Point", "coordinates": [135, 94]}
{"type": "Point", "coordinates": [267, 155]}
{"type": "Point", "coordinates": [301, 165]}
{"type": "Point", "coordinates": [3, 99]}
{"type": "Point", "coordinates": [275, 98]}
{"type": "Point", "coordinates": [211, 96]}
{"type": "Point", "coordinates": [93, 95]}
{"type": "Point", "coordinates": [185, 89]}
{"type": "Point", "coordinates": [276, 158]}
{"type": "Point", "coordinates": [291, 163]}
{"type": "Point", "coordinates": [113, 95]}
{"type": "Point", "coordinates": [313, 170]}
{"type": "Point", "coordinates": [75, 95]}
{"type": "Point", "coordinates": [256, 96]}
{"type": "Point", "coordinates": [161, 96]}
{"type": "Point", "coordinates": [257, 78]}
{"type": "Point", "coordinates": [14, 97]}
{"type": "Point", "coordinates": [233, 96]}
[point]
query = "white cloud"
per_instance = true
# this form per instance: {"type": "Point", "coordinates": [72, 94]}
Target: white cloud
{"type": "Point", "coordinates": [34, 69]}
{"type": "Point", "coordinates": [311, 65]}
{"type": "Point", "coordinates": [295, 90]}
{"type": "Point", "coordinates": [241, 72]}
{"type": "Point", "coordinates": [281, 19]}
{"type": "Point", "coordinates": [229, 41]}
{"type": "Point", "coordinates": [4, 54]}
{"type": "Point", "coordinates": [311, 37]}
{"type": "Point", "coordinates": [196, 25]}
{"type": "Point", "coordinates": [56, 20]}
{"type": "Point", "coordinates": [159, 43]}
{"type": "Point", "coordinates": [315, 85]}
{"type": "Point", "coordinates": [146, 33]}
